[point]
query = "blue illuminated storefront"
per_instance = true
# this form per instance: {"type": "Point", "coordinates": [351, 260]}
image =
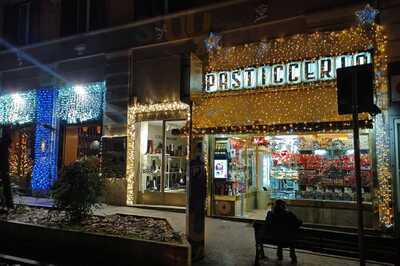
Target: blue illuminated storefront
{"type": "Point", "coordinates": [47, 109]}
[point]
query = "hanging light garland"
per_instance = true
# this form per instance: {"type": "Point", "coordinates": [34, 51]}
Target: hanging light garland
{"type": "Point", "coordinates": [81, 103]}
{"type": "Point", "coordinates": [17, 108]}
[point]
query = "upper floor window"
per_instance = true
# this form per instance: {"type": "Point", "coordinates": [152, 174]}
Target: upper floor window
{"type": "Point", "coordinates": [82, 15]}
{"type": "Point", "coordinates": [149, 8]}
{"type": "Point", "coordinates": [17, 22]}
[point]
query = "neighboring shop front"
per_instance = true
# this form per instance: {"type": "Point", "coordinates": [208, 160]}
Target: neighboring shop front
{"type": "Point", "coordinates": [41, 122]}
{"type": "Point", "coordinates": [269, 117]}
{"type": "Point", "coordinates": [157, 154]}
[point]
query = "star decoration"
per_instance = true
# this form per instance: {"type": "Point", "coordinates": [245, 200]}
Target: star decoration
{"type": "Point", "coordinates": [378, 74]}
{"type": "Point", "coordinates": [263, 47]}
{"type": "Point", "coordinates": [367, 15]}
{"type": "Point", "coordinates": [160, 31]}
{"type": "Point", "coordinates": [212, 42]}
{"type": "Point", "coordinates": [261, 12]}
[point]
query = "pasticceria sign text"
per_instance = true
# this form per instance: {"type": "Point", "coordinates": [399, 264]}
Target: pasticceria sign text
{"type": "Point", "coordinates": [295, 72]}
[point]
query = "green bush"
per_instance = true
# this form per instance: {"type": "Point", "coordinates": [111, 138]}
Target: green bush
{"type": "Point", "coordinates": [78, 189]}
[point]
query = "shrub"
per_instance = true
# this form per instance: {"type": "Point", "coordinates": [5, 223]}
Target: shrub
{"type": "Point", "coordinates": [78, 189]}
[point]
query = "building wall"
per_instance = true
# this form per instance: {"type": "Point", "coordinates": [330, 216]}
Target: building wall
{"type": "Point", "coordinates": [106, 55]}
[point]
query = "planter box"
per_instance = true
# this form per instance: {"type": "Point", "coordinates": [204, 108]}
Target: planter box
{"type": "Point", "coordinates": [70, 247]}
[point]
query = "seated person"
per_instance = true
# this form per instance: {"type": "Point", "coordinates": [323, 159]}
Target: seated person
{"type": "Point", "coordinates": [282, 226]}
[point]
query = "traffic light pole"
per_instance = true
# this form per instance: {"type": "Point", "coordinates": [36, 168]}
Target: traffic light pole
{"type": "Point", "coordinates": [356, 139]}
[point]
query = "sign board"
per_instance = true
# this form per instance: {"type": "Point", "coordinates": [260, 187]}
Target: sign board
{"type": "Point", "coordinates": [321, 69]}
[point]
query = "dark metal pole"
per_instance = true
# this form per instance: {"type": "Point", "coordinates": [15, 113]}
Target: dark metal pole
{"type": "Point", "coordinates": [195, 209]}
{"type": "Point", "coordinates": [356, 138]}
{"type": "Point", "coordinates": [5, 141]}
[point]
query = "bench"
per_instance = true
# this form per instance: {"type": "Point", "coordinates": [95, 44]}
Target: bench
{"type": "Point", "coordinates": [377, 247]}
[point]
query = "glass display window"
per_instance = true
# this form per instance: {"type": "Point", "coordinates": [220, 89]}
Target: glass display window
{"type": "Point", "coordinates": [163, 156]}
{"type": "Point", "coordinates": [151, 152]}
{"type": "Point", "coordinates": [175, 160]}
{"type": "Point", "coordinates": [304, 166]}
{"type": "Point", "coordinates": [318, 166]}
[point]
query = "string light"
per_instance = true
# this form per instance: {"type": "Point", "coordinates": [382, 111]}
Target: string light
{"type": "Point", "coordinates": [292, 48]}
{"type": "Point", "coordinates": [306, 103]}
{"type": "Point", "coordinates": [81, 103]}
{"type": "Point", "coordinates": [20, 161]}
{"type": "Point", "coordinates": [45, 156]}
{"type": "Point", "coordinates": [18, 108]}
{"type": "Point", "coordinates": [139, 113]}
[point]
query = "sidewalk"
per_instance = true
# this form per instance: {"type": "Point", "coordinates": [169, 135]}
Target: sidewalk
{"type": "Point", "coordinates": [228, 243]}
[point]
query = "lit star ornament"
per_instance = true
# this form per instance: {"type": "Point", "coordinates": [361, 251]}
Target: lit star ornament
{"type": "Point", "coordinates": [263, 47]}
{"type": "Point", "coordinates": [367, 15]}
{"type": "Point", "coordinates": [212, 42]}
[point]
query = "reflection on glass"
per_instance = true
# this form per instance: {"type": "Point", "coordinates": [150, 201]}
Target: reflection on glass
{"type": "Point", "coordinates": [175, 157]}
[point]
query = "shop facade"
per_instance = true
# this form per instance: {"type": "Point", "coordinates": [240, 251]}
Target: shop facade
{"type": "Point", "coordinates": [51, 127]}
{"type": "Point", "coordinates": [268, 113]}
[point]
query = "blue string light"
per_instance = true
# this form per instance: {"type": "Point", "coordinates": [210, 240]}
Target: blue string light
{"type": "Point", "coordinates": [212, 41]}
{"type": "Point", "coordinates": [46, 138]}
{"type": "Point", "coordinates": [79, 104]}
{"type": "Point", "coordinates": [18, 108]}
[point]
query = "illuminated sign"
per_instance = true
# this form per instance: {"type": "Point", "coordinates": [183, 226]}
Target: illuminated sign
{"type": "Point", "coordinates": [220, 168]}
{"type": "Point", "coordinates": [320, 69]}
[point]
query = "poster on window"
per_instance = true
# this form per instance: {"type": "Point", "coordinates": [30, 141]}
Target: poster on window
{"type": "Point", "coordinates": [220, 168]}
{"type": "Point", "coordinates": [395, 87]}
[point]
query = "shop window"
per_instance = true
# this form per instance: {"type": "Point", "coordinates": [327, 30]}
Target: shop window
{"type": "Point", "coordinates": [162, 156]}
{"type": "Point", "coordinates": [309, 166]}
{"type": "Point", "coordinates": [175, 157]}
{"type": "Point", "coordinates": [151, 150]}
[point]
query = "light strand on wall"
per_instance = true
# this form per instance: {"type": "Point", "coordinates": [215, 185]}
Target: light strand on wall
{"type": "Point", "coordinates": [81, 103]}
{"type": "Point", "coordinates": [17, 108]}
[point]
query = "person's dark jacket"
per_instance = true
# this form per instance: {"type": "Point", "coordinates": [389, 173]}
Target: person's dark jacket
{"type": "Point", "coordinates": [282, 227]}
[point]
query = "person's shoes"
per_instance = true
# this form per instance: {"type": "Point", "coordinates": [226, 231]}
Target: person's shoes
{"type": "Point", "coordinates": [294, 259]}
{"type": "Point", "coordinates": [280, 257]}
